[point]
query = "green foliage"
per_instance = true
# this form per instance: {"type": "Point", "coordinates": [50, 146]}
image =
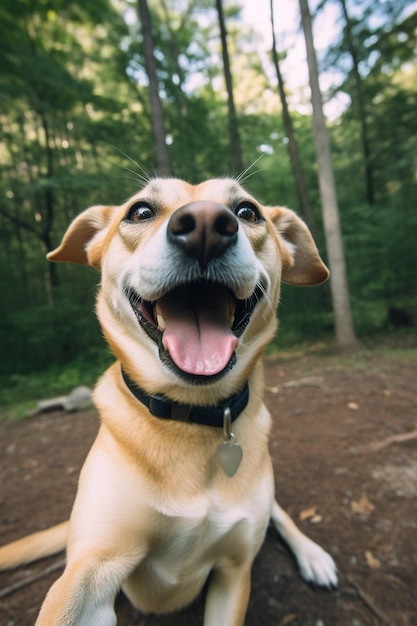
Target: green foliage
{"type": "Point", "coordinates": [21, 391]}
{"type": "Point", "coordinates": [75, 131]}
{"type": "Point", "coordinates": [38, 335]}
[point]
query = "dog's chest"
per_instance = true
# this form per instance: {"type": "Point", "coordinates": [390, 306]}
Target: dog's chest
{"type": "Point", "coordinates": [185, 548]}
{"type": "Point", "coordinates": [186, 542]}
{"type": "Point", "coordinates": [208, 528]}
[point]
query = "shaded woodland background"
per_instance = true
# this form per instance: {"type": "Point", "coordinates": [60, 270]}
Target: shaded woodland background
{"type": "Point", "coordinates": [77, 128]}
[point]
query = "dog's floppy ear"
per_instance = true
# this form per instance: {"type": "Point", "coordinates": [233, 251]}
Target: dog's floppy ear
{"type": "Point", "coordinates": [301, 262]}
{"type": "Point", "coordinates": [82, 242]}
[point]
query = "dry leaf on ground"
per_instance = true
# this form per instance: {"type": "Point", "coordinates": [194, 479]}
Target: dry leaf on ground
{"type": "Point", "coordinates": [353, 406]}
{"type": "Point", "coordinates": [363, 506]}
{"type": "Point", "coordinates": [307, 514]}
{"type": "Point", "coordinates": [373, 562]}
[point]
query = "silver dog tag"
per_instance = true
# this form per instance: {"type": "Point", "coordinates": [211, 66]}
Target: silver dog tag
{"type": "Point", "coordinates": [229, 453]}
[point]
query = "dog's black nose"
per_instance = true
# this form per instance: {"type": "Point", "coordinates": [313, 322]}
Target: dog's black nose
{"type": "Point", "coordinates": [203, 229]}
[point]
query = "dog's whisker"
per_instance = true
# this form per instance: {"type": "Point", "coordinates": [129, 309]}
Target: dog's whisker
{"type": "Point", "coordinates": [265, 295]}
{"type": "Point", "coordinates": [137, 177]}
{"type": "Point", "coordinates": [141, 176]}
{"type": "Point", "coordinates": [137, 180]}
{"type": "Point", "coordinates": [247, 173]}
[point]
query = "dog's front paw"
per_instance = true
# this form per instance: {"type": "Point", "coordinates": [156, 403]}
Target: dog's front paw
{"type": "Point", "coordinates": [316, 565]}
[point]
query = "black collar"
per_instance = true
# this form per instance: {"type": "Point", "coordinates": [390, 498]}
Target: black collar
{"type": "Point", "coordinates": [164, 408]}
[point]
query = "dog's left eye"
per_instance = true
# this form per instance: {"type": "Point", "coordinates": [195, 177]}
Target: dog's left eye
{"type": "Point", "coordinates": [139, 212]}
{"type": "Point", "coordinates": [248, 212]}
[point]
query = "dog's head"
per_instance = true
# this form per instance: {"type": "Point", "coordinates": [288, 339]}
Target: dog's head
{"type": "Point", "coordinates": [190, 279]}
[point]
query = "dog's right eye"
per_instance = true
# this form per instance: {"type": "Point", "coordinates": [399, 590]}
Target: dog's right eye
{"type": "Point", "coordinates": [139, 212]}
{"type": "Point", "coordinates": [248, 212]}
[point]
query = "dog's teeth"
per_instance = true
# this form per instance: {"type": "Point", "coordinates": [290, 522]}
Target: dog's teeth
{"type": "Point", "coordinates": [161, 322]}
{"type": "Point", "coordinates": [231, 320]}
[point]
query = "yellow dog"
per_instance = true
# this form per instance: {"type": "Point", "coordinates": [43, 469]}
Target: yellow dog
{"type": "Point", "coordinates": [178, 486]}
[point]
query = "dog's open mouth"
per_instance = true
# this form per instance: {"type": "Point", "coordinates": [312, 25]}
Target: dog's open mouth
{"type": "Point", "coordinates": [196, 326]}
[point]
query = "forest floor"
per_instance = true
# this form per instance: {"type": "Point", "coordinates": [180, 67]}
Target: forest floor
{"type": "Point", "coordinates": [344, 448]}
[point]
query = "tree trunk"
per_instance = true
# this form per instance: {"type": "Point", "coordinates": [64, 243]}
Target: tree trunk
{"type": "Point", "coordinates": [48, 216]}
{"type": "Point", "coordinates": [345, 333]}
{"type": "Point", "coordinates": [303, 199]}
{"type": "Point", "coordinates": [157, 116]}
{"type": "Point", "coordinates": [369, 183]}
{"type": "Point", "coordinates": [233, 125]}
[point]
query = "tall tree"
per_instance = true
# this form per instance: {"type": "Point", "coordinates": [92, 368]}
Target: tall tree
{"type": "Point", "coordinates": [157, 114]}
{"type": "Point", "coordinates": [304, 202]}
{"type": "Point", "coordinates": [362, 112]}
{"type": "Point", "coordinates": [233, 124]}
{"type": "Point", "coordinates": [345, 333]}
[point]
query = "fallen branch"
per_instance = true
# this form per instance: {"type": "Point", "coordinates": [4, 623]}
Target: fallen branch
{"type": "Point", "coordinates": [307, 381]}
{"type": "Point", "coordinates": [368, 601]}
{"type": "Point", "coordinates": [7, 591]}
{"type": "Point", "coordinates": [379, 445]}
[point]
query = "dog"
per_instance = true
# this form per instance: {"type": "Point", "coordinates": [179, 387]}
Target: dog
{"type": "Point", "coordinates": [178, 489]}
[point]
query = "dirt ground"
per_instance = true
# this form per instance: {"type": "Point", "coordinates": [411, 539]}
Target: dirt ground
{"type": "Point", "coordinates": [356, 499]}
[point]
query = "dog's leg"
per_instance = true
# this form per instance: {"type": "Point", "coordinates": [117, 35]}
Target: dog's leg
{"type": "Point", "coordinates": [73, 601]}
{"type": "Point", "coordinates": [85, 594]}
{"type": "Point", "coordinates": [315, 564]}
{"type": "Point", "coordinates": [104, 543]}
{"type": "Point", "coordinates": [227, 596]}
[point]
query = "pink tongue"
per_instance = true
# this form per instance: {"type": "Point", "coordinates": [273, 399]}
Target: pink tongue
{"type": "Point", "coordinates": [197, 334]}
